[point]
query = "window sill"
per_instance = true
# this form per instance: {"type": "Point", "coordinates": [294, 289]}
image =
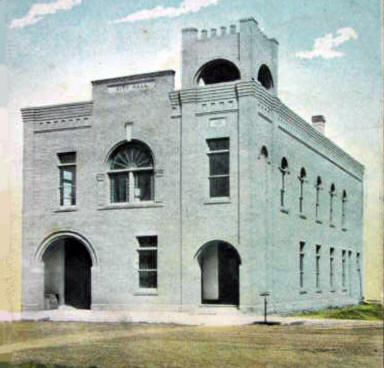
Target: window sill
{"type": "Point", "coordinates": [319, 222]}
{"type": "Point", "coordinates": [66, 209]}
{"type": "Point", "coordinates": [119, 206]}
{"type": "Point", "coordinates": [301, 215]}
{"type": "Point", "coordinates": [218, 200]}
{"type": "Point", "coordinates": [302, 292]}
{"type": "Point", "coordinates": [146, 292]}
{"type": "Point", "coordinates": [284, 210]}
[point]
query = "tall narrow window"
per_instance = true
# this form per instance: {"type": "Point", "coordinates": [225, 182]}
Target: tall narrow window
{"type": "Point", "coordinates": [350, 271]}
{"type": "Point", "coordinates": [218, 155]}
{"type": "Point", "coordinates": [332, 194]}
{"type": "Point", "coordinates": [67, 169]}
{"type": "Point", "coordinates": [147, 262]}
{"type": "Point", "coordinates": [343, 260]}
{"type": "Point", "coordinates": [264, 152]}
{"type": "Point", "coordinates": [302, 177]}
{"type": "Point", "coordinates": [131, 173]}
{"type": "Point", "coordinates": [358, 270]}
{"type": "Point", "coordinates": [318, 255]}
{"type": "Point", "coordinates": [301, 265]}
{"type": "Point", "coordinates": [318, 189]}
{"type": "Point", "coordinates": [343, 209]}
{"type": "Point", "coordinates": [284, 171]}
{"type": "Point", "coordinates": [331, 267]}
{"type": "Point", "coordinates": [358, 262]}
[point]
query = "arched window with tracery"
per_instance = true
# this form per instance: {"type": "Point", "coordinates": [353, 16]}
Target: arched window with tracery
{"type": "Point", "coordinates": [131, 173]}
{"type": "Point", "coordinates": [284, 171]}
{"type": "Point", "coordinates": [318, 189]}
{"type": "Point", "coordinates": [302, 177]}
{"type": "Point", "coordinates": [332, 194]}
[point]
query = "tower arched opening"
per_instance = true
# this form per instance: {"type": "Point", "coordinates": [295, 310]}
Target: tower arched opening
{"type": "Point", "coordinates": [217, 71]}
{"type": "Point", "coordinates": [265, 77]}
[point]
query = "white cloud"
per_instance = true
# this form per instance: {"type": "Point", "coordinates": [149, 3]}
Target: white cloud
{"type": "Point", "coordinates": [187, 6]}
{"type": "Point", "coordinates": [38, 11]}
{"type": "Point", "coordinates": [325, 46]}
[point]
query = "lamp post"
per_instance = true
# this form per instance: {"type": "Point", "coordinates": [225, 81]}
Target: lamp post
{"type": "Point", "coordinates": [265, 295]}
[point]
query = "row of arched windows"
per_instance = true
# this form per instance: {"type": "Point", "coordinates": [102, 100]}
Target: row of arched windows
{"type": "Point", "coordinates": [302, 179]}
{"type": "Point", "coordinates": [301, 198]}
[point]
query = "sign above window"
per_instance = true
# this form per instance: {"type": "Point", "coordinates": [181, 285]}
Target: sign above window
{"type": "Point", "coordinates": [217, 122]}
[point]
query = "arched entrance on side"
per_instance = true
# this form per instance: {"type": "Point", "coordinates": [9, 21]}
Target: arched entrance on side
{"type": "Point", "coordinates": [219, 264]}
{"type": "Point", "coordinates": [67, 261]}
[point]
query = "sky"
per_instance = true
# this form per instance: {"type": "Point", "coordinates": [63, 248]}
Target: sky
{"type": "Point", "coordinates": [329, 61]}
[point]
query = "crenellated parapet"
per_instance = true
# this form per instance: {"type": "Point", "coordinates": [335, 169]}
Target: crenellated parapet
{"type": "Point", "coordinates": [245, 48]}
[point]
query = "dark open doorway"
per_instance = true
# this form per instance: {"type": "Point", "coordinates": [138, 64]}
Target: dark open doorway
{"type": "Point", "coordinates": [67, 274]}
{"type": "Point", "coordinates": [219, 263]}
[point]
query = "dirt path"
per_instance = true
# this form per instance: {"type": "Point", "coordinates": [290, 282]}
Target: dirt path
{"type": "Point", "coordinates": [79, 338]}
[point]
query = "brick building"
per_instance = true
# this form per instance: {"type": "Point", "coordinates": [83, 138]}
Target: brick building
{"type": "Point", "coordinates": [214, 194]}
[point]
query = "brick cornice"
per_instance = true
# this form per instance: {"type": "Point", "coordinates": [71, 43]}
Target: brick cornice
{"type": "Point", "coordinates": [277, 111]}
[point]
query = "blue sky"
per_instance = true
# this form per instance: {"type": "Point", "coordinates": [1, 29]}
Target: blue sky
{"type": "Point", "coordinates": [55, 47]}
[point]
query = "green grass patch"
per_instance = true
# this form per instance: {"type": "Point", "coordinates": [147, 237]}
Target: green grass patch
{"type": "Point", "coordinates": [365, 312]}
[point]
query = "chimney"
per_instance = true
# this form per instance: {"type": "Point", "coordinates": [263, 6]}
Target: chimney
{"type": "Point", "coordinates": [318, 122]}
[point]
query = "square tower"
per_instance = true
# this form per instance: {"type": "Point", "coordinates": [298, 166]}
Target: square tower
{"type": "Point", "coordinates": [247, 54]}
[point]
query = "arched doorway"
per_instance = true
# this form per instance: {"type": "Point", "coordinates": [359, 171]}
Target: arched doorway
{"type": "Point", "coordinates": [67, 274]}
{"type": "Point", "coordinates": [219, 263]}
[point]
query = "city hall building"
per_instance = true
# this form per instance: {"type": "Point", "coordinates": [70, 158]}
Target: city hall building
{"type": "Point", "coordinates": [216, 194]}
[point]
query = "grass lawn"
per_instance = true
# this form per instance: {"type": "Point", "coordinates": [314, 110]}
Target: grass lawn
{"type": "Point", "coordinates": [144, 345]}
{"type": "Point", "coordinates": [367, 312]}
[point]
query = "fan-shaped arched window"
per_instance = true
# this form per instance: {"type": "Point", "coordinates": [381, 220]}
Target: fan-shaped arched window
{"type": "Point", "coordinates": [265, 77]}
{"type": "Point", "coordinates": [218, 71]}
{"type": "Point", "coordinates": [284, 171]}
{"type": "Point", "coordinates": [131, 173]}
{"type": "Point", "coordinates": [302, 177]}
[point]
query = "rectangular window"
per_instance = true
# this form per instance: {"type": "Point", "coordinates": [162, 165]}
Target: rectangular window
{"type": "Point", "coordinates": [218, 167]}
{"type": "Point", "coordinates": [331, 267]}
{"type": "Point", "coordinates": [302, 245]}
{"type": "Point", "coordinates": [343, 260]}
{"type": "Point", "coordinates": [67, 170]}
{"type": "Point", "coordinates": [143, 185]}
{"type": "Point", "coordinates": [318, 249]}
{"type": "Point", "coordinates": [119, 187]}
{"type": "Point", "coordinates": [147, 262]}
{"type": "Point", "coordinates": [123, 182]}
